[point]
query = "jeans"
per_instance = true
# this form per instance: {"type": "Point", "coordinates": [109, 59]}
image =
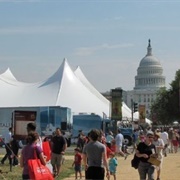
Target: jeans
{"type": "Point", "coordinates": [146, 169]}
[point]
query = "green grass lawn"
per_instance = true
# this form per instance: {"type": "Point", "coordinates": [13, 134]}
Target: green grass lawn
{"type": "Point", "coordinates": [16, 173]}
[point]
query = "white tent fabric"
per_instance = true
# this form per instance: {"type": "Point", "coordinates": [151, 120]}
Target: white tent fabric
{"type": "Point", "coordinates": [78, 72]}
{"type": "Point", "coordinates": [63, 88]}
{"type": "Point", "coordinates": [136, 118]}
{"type": "Point", "coordinates": [126, 112]}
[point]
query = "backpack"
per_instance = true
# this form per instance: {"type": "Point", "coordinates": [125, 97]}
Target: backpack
{"type": "Point", "coordinates": [135, 162]}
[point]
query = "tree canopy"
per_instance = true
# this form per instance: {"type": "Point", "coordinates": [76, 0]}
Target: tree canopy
{"type": "Point", "coordinates": [166, 107]}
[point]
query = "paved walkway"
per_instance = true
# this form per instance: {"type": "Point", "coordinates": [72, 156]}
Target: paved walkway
{"type": "Point", "coordinates": [170, 171]}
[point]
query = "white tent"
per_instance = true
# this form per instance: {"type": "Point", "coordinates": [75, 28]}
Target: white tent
{"type": "Point", "coordinates": [78, 72]}
{"type": "Point", "coordinates": [127, 113]}
{"type": "Point", "coordinates": [63, 88]}
{"type": "Point", "coordinates": [136, 118]}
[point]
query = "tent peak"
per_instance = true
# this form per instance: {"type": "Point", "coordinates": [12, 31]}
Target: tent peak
{"type": "Point", "coordinates": [65, 60]}
{"type": "Point", "coordinates": [8, 74]}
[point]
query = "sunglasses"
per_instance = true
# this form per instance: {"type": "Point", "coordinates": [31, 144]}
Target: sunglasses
{"type": "Point", "coordinates": [151, 137]}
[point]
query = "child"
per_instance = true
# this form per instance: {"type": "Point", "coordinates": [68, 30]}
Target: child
{"type": "Point", "coordinates": [113, 165]}
{"type": "Point", "coordinates": [77, 163]}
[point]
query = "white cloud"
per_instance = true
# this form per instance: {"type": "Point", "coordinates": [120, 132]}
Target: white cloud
{"type": "Point", "coordinates": [85, 51]}
{"type": "Point", "coordinates": [32, 30]}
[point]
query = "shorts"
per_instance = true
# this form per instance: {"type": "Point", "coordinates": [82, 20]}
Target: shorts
{"type": "Point", "coordinates": [78, 168]}
{"type": "Point", "coordinates": [118, 149]}
{"type": "Point", "coordinates": [175, 143]}
{"type": "Point", "coordinates": [160, 166]}
{"type": "Point", "coordinates": [57, 159]}
{"type": "Point", "coordinates": [112, 173]}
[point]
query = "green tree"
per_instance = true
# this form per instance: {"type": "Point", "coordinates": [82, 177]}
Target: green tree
{"type": "Point", "coordinates": [166, 108]}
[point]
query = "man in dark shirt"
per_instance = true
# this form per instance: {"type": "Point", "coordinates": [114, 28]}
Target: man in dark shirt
{"type": "Point", "coordinates": [58, 145]}
{"type": "Point", "coordinates": [144, 151]}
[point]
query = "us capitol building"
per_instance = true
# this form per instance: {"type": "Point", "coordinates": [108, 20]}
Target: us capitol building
{"type": "Point", "coordinates": [148, 81]}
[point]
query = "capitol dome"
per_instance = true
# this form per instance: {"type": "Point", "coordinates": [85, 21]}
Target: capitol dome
{"type": "Point", "coordinates": [149, 72]}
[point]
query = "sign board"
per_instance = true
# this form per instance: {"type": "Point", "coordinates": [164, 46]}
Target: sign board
{"type": "Point", "coordinates": [20, 121]}
{"type": "Point", "coordinates": [116, 110]}
{"type": "Point", "coordinates": [142, 114]}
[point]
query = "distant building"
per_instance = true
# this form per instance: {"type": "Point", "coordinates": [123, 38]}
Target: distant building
{"type": "Point", "coordinates": [148, 81]}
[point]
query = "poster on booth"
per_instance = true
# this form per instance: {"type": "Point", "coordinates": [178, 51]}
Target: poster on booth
{"type": "Point", "coordinates": [142, 114]}
{"type": "Point", "coordinates": [116, 111]}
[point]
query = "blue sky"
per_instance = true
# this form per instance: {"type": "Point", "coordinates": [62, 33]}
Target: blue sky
{"type": "Point", "coordinates": [106, 38]}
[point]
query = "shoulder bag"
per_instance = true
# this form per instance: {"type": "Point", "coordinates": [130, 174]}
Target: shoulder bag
{"type": "Point", "coordinates": [38, 171]}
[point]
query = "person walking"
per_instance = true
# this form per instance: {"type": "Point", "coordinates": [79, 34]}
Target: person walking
{"type": "Point", "coordinates": [170, 134]}
{"type": "Point", "coordinates": [15, 149]}
{"type": "Point", "coordinates": [94, 157]}
{"type": "Point", "coordinates": [28, 153]}
{"type": "Point", "coordinates": [7, 141]}
{"type": "Point", "coordinates": [165, 138]}
{"type": "Point", "coordinates": [175, 140]}
{"type": "Point", "coordinates": [31, 127]}
{"type": "Point", "coordinates": [77, 163]}
{"type": "Point", "coordinates": [58, 146]}
{"type": "Point", "coordinates": [144, 151]}
{"type": "Point", "coordinates": [135, 139]}
{"type": "Point", "coordinates": [159, 143]}
{"type": "Point", "coordinates": [81, 140]}
{"type": "Point", "coordinates": [119, 139]}
{"type": "Point", "coordinates": [109, 139]}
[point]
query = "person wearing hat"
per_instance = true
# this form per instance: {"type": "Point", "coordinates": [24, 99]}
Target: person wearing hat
{"type": "Point", "coordinates": [159, 143]}
{"type": "Point", "coordinates": [144, 151]}
{"type": "Point", "coordinates": [77, 163]}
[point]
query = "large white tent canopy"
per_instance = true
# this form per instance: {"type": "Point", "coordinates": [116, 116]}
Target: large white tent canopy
{"type": "Point", "coordinates": [64, 88]}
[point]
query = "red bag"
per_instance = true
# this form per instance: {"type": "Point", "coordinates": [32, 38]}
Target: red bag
{"type": "Point", "coordinates": [38, 171]}
{"type": "Point", "coordinates": [46, 150]}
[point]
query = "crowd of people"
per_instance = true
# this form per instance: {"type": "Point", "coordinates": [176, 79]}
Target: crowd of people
{"type": "Point", "coordinates": [148, 144]}
{"type": "Point", "coordinates": [95, 152]}
{"type": "Point", "coordinates": [33, 149]}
